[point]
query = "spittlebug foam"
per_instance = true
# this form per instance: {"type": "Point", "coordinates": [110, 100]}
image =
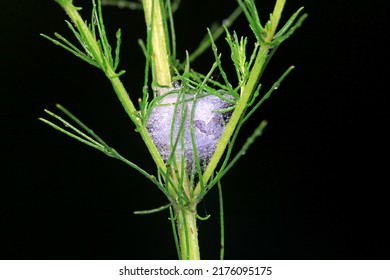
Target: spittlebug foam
{"type": "Point", "coordinates": [173, 117]}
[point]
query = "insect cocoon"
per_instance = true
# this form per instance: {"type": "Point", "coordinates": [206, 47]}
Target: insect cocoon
{"type": "Point", "coordinates": [176, 116]}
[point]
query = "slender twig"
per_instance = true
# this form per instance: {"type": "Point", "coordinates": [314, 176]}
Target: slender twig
{"type": "Point", "coordinates": [175, 237]}
{"type": "Point", "coordinates": [152, 211]}
{"type": "Point", "coordinates": [221, 221]}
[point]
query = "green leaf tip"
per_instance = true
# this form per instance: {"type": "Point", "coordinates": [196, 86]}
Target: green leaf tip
{"type": "Point", "coordinates": [203, 218]}
{"type": "Point", "coordinates": [152, 211]}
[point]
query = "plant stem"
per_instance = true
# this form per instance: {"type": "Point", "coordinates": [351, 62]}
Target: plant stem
{"type": "Point", "coordinates": [186, 213]}
{"type": "Point", "coordinates": [276, 15]}
{"type": "Point", "coordinates": [221, 222]}
{"type": "Point", "coordinates": [246, 93]}
{"type": "Point", "coordinates": [160, 59]}
{"type": "Point", "coordinates": [116, 83]}
{"type": "Point", "coordinates": [188, 232]}
{"type": "Point", "coordinates": [127, 103]}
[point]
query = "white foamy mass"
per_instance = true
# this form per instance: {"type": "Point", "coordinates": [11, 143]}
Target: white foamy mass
{"type": "Point", "coordinates": [169, 125]}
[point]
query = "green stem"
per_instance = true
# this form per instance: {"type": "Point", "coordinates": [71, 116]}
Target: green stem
{"type": "Point", "coordinates": [185, 214]}
{"type": "Point", "coordinates": [127, 104]}
{"type": "Point", "coordinates": [187, 232]}
{"type": "Point", "coordinates": [246, 93]}
{"type": "Point", "coordinates": [276, 15]}
{"type": "Point", "coordinates": [117, 85]}
{"type": "Point", "coordinates": [160, 58]}
{"type": "Point", "coordinates": [221, 222]}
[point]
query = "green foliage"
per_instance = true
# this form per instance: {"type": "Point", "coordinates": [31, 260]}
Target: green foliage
{"type": "Point", "coordinates": [88, 137]}
{"type": "Point", "coordinates": [97, 52]}
{"type": "Point", "coordinates": [182, 188]}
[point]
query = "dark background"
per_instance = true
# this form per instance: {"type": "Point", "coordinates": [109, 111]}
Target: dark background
{"type": "Point", "coordinates": [315, 186]}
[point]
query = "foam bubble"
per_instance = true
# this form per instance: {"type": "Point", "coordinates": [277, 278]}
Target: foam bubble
{"type": "Point", "coordinates": [169, 124]}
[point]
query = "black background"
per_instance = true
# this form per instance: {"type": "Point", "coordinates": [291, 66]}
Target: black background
{"type": "Point", "coordinates": [313, 187]}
